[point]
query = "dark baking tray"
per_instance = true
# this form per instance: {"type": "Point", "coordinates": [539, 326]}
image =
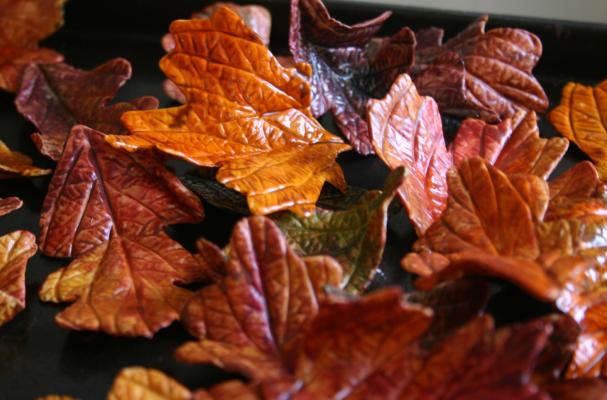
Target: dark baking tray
{"type": "Point", "coordinates": [37, 357]}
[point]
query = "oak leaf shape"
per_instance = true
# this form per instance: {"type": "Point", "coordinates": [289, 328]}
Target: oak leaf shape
{"type": "Point", "coordinates": [138, 383]}
{"type": "Point", "coordinates": [253, 318]}
{"type": "Point", "coordinates": [15, 249]}
{"type": "Point", "coordinates": [14, 164]}
{"type": "Point", "coordinates": [480, 73]}
{"type": "Point", "coordinates": [406, 130]}
{"type": "Point", "coordinates": [109, 209]}
{"type": "Point", "coordinates": [350, 65]}
{"type": "Point", "coordinates": [245, 114]}
{"type": "Point", "coordinates": [23, 23]}
{"type": "Point", "coordinates": [355, 237]}
{"type": "Point", "coordinates": [58, 96]}
{"type": "Point", "coordinates": [257, 17]}
{"type": "Point", "coordinates": [582, 118]}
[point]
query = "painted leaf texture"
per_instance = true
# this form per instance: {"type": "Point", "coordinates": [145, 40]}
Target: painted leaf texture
{"type": "Point", "coordinates": [138, 383]}
{"type": "Point", "coordinates": [407, 131]}
{"type": "Point", "coordinates": [350, 65]}
{"type": "Point", "coordinates": [370, 347]}
{"type": "Point", "coordinates": [257, 17]}
{"type": "Point", "coordinates": [480, 73]}
{"type": "Point", "coordinates": [548, 239]}
{"type": "Point", "coordinates": [58, 96]}
{"type": "Point", "coordinates": [15, 249]}
{"type": "Point", "coordinates": [253, 319]}
{"type": "Point", "coordinates": [23, 23]}
{"type": "Point", "coordinates": [355, 237]}
{"type": "Point", "coordinates": [581, 117]}
{"type": "Point", "coordinates": [14, 164]}
{"type": "Point", "coordinates": [109, 209]}
{"type": "Point", "coordinates": [245, 114]}
{"type": "Point", "coordinates": [9, 204]}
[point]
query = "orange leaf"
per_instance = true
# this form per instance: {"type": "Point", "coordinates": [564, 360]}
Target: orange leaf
{"type": "Point", "coordinates": [245, 113]}
{"type": "Point", "coordinates": [143, 383]}
{"type": "Point", "coordinates": [23, 23]}
{"type": "Point", "coordinates": [13, 164]}
{"type": "Point", "coordinates": [15, 249]}
{"type": "Point", "coordinates": [582, 118]}
{"type": "Point", "coordinates": [9, 204]}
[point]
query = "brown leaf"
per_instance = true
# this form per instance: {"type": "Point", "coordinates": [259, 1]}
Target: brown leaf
{"type": "Point", "coordinates": [483, 73]}
{"type": "Point", "coordinates": [23, 23]}
{"type": "Point", "coordinates": [15, 249]}
{"type": "Point", "coordinates": [349, 64]}
{"type": "Point", "coordinates": [109, 209]}
{"type": "Point", "coordinates": [581, 118]}
{"type": "Point", "coordinates": [245, 114]}
{"type": "Point", "coordinates": [138, 383]}
{"type": "Point", "coordinates": [514, 146]}
{"type": "Point", "coordinates": [254, 318]}
{"type": "Point", "coordinates": [9, 205]}
{"type": "Point", "coordinates": [14, 164]}
{"type": "Point", "coordinates": [406, 130]}
{"type": "Point", "coordinates": [56, 97]}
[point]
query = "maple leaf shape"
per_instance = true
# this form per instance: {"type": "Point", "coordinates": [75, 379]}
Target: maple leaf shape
{"type": "Point", "coordinates": [484, 73]}
{"type": "Point", "coordinates": [23, 23]}
{"type": "Point", "coordinates": [109, 209]}
{"type": "Point", "coordinates": [9, 205]}
{"type": "Point", "coordinates": [514, 146]}
{"type": "Point", "coordinates": [349, 64]}
{"type": "Point", "coordinates": [257, 17]}
{"type": "Point", "coordinates": [406, 130]}
{"type": "Point", "coordinates": [355, 237]}
{"type": "Point", "coordinates": [15, 249]}
{"type": "Point", "coordinates": [58, 96]}
{"type": "Point", "coordinates": [252, 319]}
{"type": "Point", "coordinates": [581, 118]}
{"type": "Point", "coordinates": [245, 114]}
{"type": "Point", "coordinates": [14, 164]}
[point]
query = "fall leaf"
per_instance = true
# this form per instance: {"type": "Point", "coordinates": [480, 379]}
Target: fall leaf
{"type": "Point", "coordinates": [58, 96]}
{"type": "Point", "coordinates": [9, 205]}
{"type": "Point", "coordinates": [350, 65]}
{"type": "Point", "coordinates": [245, 114]}
{"type": "Point", "coordinates": [109, 208]}
{"type": "Point", "coordinates": [514, 146]}
{"type": "Point", "coordinates": [581, 118]}
{"type": "Point", "coordinates": [257, 17]}
{"type": "Point", "coordinates": [138, 383]}
{"type": "Point", "coordinates": [406, 130]}
{"type": "Point", "coordinates": [254, 317]}
{"type": "Point", "coordinates": [55, 397]}
{"type": "Point", "coordinates": [488, 74]}
{"type": "Point", "coordinates": [354, 237]}
{"type": "Point", "coordinates": [14, 164]}
{"type": "Point", "coordinates": [23, 23]}
{"type": "Point", "coordinates": [15, 249]}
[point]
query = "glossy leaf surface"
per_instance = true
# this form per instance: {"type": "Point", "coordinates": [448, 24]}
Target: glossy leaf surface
{"type": "Point", "coordinates": [138, 383]}
{"type": "Point", "coordinates": [109, 209]}
{"type": "Point", "coordinates": [253, 319]}
{"type": "Point", "coordinates": [56, 97]}
{"type": "Point", "coordinates": [23, 23]}
{"type": "Point", "coordinates": [355, 237]}
{"type": "Point", "coordinates": [9, 204]}
{"type": "Point", "coordinates": [245, 114]}
{"type": "Point", "coordinates": [14, 164]}
{"type": "Point", "coordinates": [481, 73]}
{"type": "Point", "coordinates": [350, 65]}
{"type": "Point", "coordinates": [581, 117]}
{"type": "Point", "coordinates": [15, 249]}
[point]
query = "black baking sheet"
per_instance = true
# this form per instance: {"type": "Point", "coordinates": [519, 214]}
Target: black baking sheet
{"type": "Point", "coordinates": [38, 358]}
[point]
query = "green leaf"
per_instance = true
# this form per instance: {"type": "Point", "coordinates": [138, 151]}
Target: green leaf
{"type": "Point", "coordinates": [355, 237]}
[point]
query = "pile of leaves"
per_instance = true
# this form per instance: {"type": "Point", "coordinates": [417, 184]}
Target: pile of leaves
{"type": "Point", "coordinates": [286, 304]}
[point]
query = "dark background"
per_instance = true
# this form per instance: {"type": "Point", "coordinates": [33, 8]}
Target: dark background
{"type": "Point", "coordinates": [38, 358]}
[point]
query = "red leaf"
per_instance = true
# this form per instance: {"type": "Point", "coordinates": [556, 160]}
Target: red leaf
{"type": "Point", "coordinates": [56, 97]}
